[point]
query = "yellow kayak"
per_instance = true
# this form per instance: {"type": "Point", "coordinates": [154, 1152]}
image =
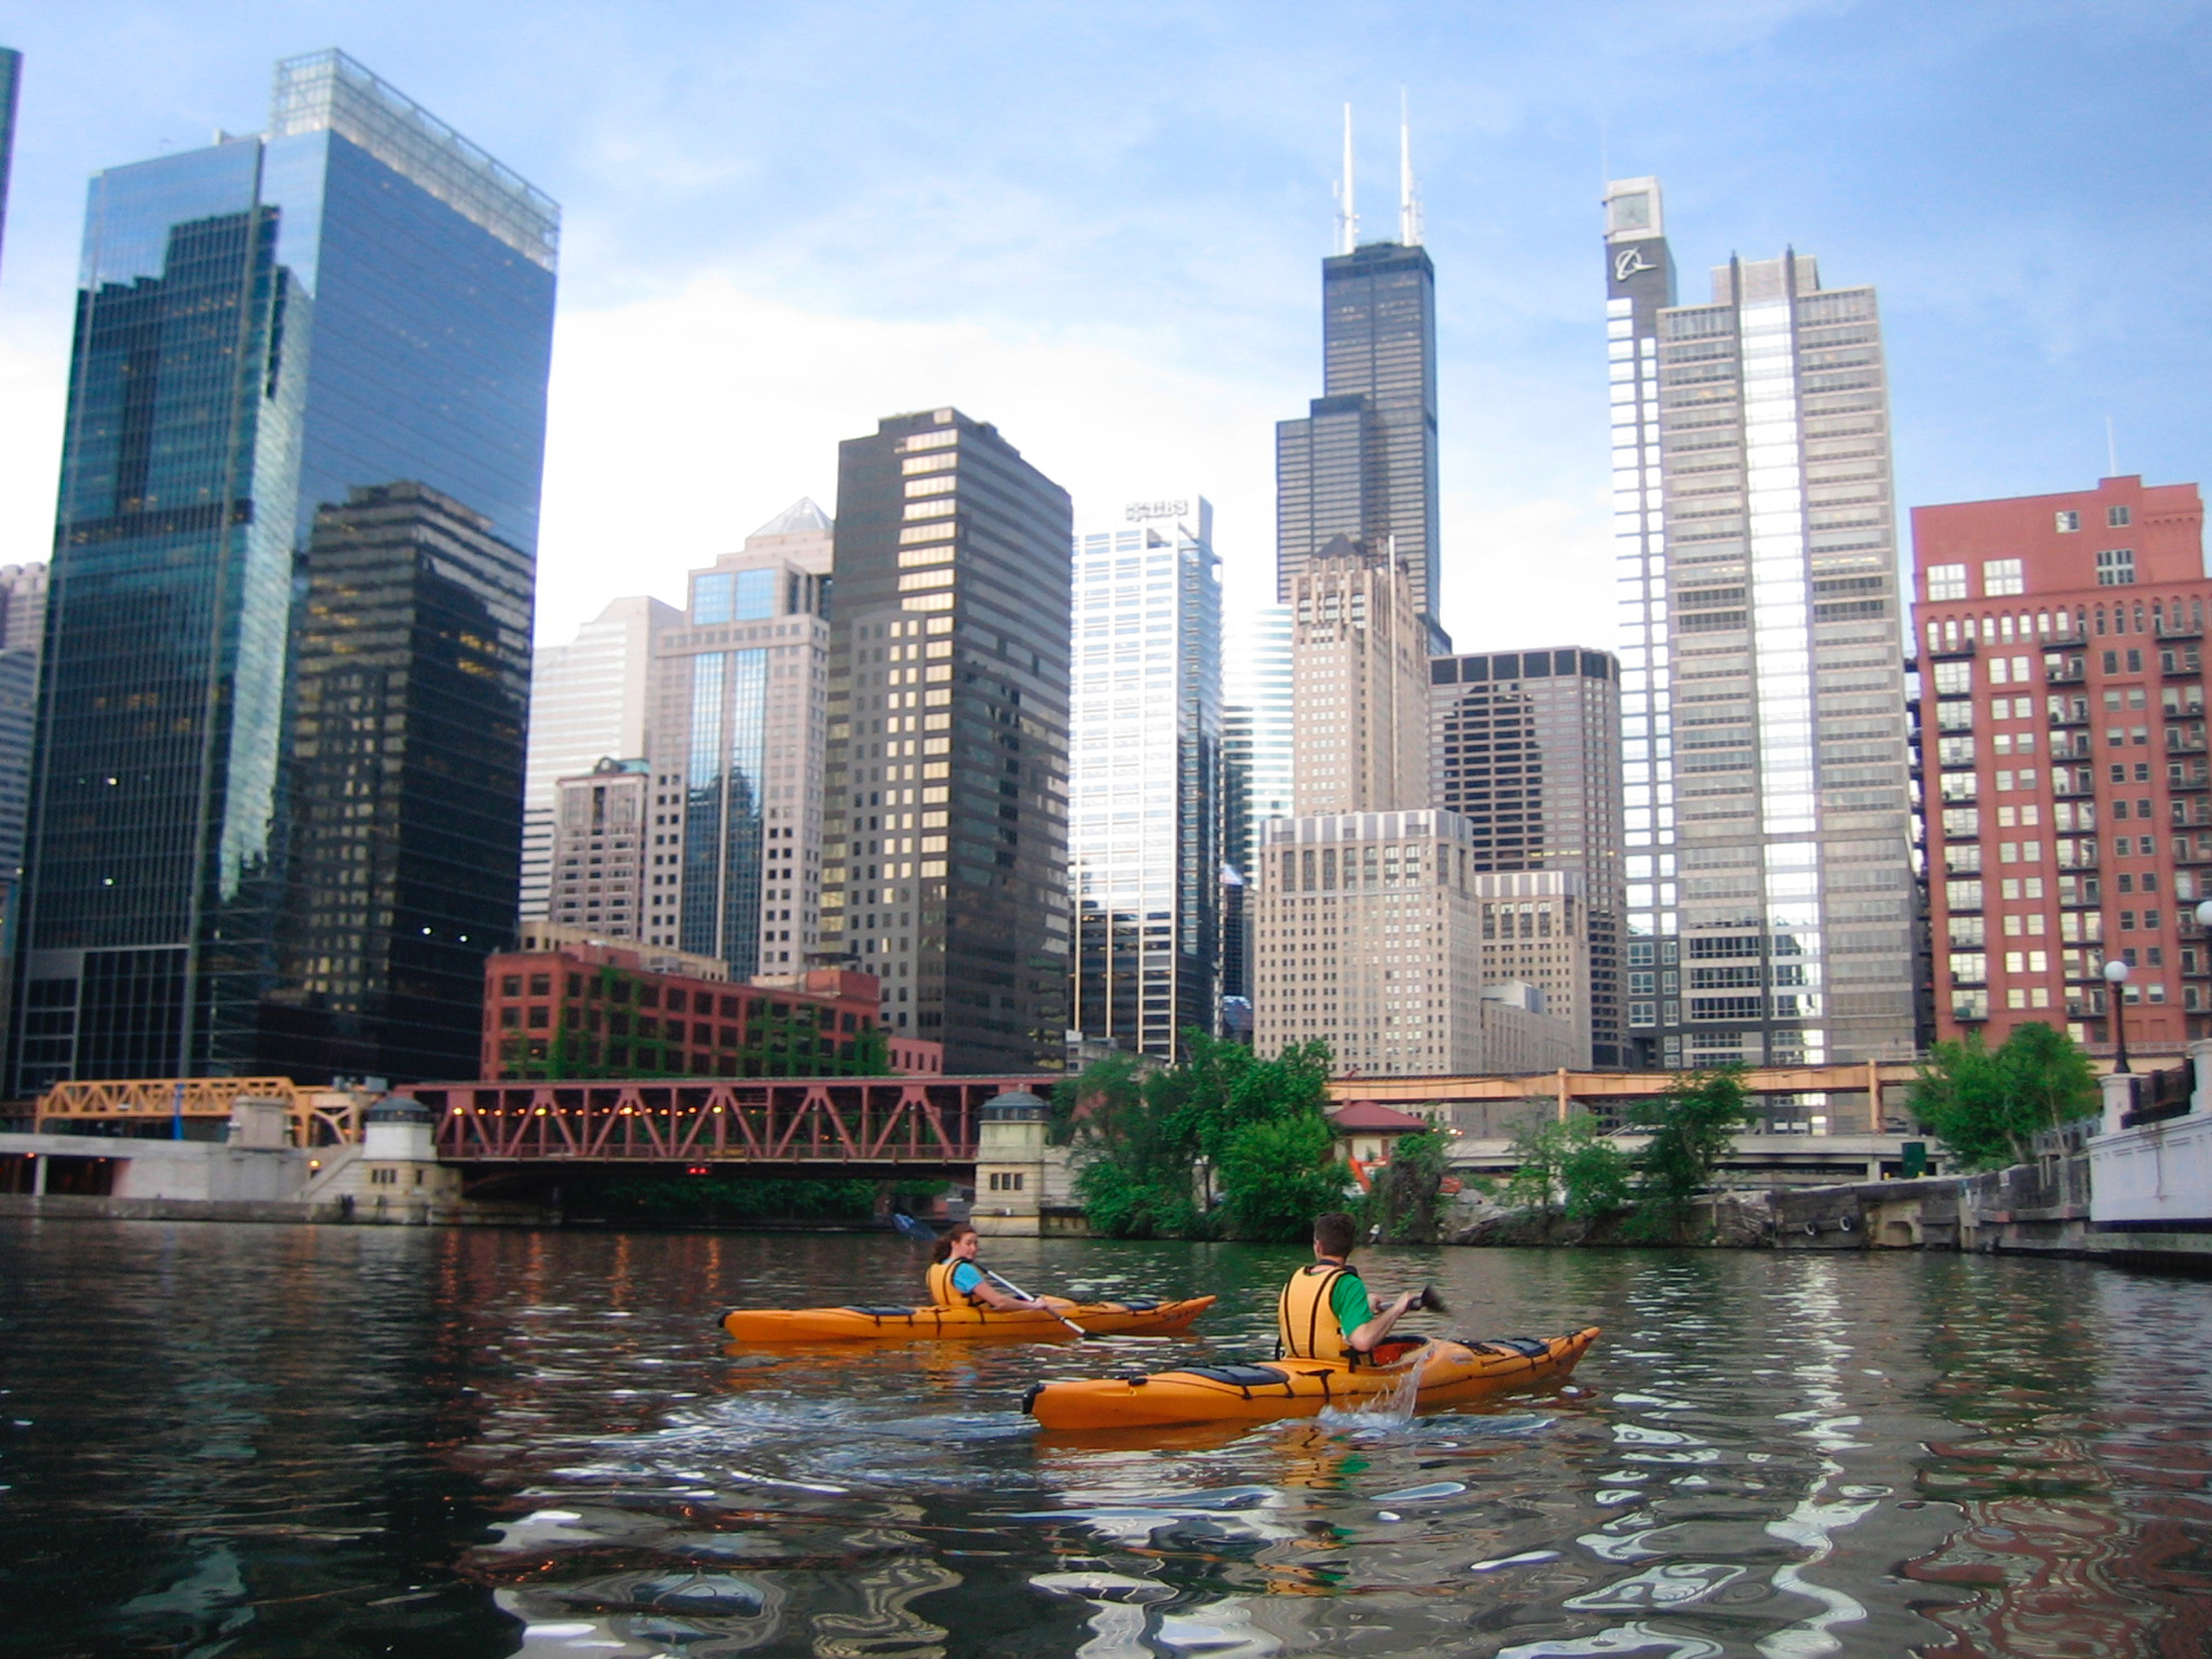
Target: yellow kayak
{"type": "Point", "coordinates": [1448, 1373]}
{"type": "Point", "coordinates": [1135, 1316]}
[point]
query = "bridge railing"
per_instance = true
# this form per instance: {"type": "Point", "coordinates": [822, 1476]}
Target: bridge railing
{"type": "Point", "coordinates": [798, 1120]}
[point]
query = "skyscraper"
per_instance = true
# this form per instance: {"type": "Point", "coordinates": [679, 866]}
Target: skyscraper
{"type": "Point", "coordinates": [1359, 677]}
{"type": "Point", "coordinates": [600, 850]}
{"type": "Point", "coordinates": [358, 297]}
{"type": "Point", "coordinates": [945, 867]}
{"type": "Point", "coordinates": [1362, 462]}
{"type": "Point", "coordinates": [587, 704]}
{"type": "Point", "coordinates": [1770, 882]}
{"type": "Point", "coordinates": [1526, 746]}
{"type": "Point", "coordinates": [737, 744]}
{"type": "Point", "coordinates": [2061, 642]}
{"type": "Point", "coordinates": [410, 688]}
{"type": "Point", "coordinates": [11, 78]}
{"type": "Point", "coordinates": [1257, 755]}
{"type": "Point", "coordinates": [1144, 789]}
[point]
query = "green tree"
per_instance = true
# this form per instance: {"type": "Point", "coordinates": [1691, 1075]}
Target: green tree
{"type": "Point", "coordinates": [1277, 1175]}
{"type": "Point", "coordinates": [1150, 1147]}
{"type": "Point", "coordinates": [1689, 1129]}
{"type": "Point", "coordinates": [1572, 1168]}
{"type": "Point", "coordinates": [1407, 1201]}
{"type": "Point", "coordinates": [1986, 1106]}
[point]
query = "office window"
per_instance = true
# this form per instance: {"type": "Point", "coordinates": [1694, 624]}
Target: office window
{"type": "Point", "coordinates": [1947, 582]}
{"type": "Point", "coordinates": [2117, 517]}
{"type": "Point", "coordinates": [2002, 575]}
{"type": "Point", "coordinates": [2115, 567]}
{"type": "Point", "coordinates": [2068, 520]}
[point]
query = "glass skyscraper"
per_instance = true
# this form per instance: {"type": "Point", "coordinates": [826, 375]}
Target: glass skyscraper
{"type": "Point", "coordinates": [946, 869]}
{"type": "Point", "coordinates": [1144, 789]}
{"type": "Point", "coordinates": [1362, 463]}
{"type": "Point", "coordinates": [736, 730]}
{"type": "Point", "coordinates": [1770, 889]}
{"type": "Point", "coordinates": [11, 77]}
{"type": "Point", "coordinates": [410, 688]}
{"type": "Point", "coordinates": [356, 298]}
{"type": "Point", "coordinates": [1258, 750]}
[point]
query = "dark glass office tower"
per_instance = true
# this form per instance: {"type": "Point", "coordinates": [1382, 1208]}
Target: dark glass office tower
{"type": "Point", "coordinates": [412, 688]}
{"type": "Point", "coordinates": [1527, 749]}
{"type": "Point", "coordinates": [945, 867]}
{"type": "Point", "coordinates": [12, 75]}
{"type": "Point", "coordinates": [358, 296]}
{"type": "Point", "coordinates": [1362, 462]}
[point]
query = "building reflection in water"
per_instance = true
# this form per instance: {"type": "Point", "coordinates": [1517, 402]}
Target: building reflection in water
{"type": "Point", "coordinates": [2063, 1564]}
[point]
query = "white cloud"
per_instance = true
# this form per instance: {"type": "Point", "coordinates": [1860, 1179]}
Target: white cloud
{"type": "Point", "coordinates": [34, 385]}
{"type": "Point", "coordinates": [682, 422]}
{"type": "Point", "coordinates": [1537, 571]}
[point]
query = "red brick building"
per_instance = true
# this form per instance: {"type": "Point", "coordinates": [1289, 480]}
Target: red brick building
{"type": "Point", "coordinates": [595, 1010]}
{"type": "Point", "coordinates": [2061, 731]}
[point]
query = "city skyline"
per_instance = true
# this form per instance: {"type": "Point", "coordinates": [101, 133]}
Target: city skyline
{"type": "Point", "coordinates": [1985, 305]}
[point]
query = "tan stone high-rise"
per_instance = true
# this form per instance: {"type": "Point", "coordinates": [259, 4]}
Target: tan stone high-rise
{"type": "Point", "coordinates": [1359, 680]}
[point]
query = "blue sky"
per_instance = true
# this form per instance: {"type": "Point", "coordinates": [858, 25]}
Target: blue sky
{"type": "Point", "coordinates": [1099, 226]}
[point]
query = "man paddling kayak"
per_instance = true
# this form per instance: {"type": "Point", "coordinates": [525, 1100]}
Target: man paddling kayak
{"type": "Point", "coordinates": [955, 1279]}
{"type": "Point", "coordinates": [1323, 1313]}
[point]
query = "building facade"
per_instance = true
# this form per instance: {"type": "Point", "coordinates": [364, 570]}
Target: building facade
{"type": "Point", "coordinates": [1536, 933]}
{"type": "Point", "coordinates": [594, 1010]}
{"type": "Point", "coordinates": [410, 688]}
{"type": "Point", "coordinates": [588, 703]}
{"type": "Point", "coordinates": [737, 731]}
{"type": "Point", "coordinates": [1362, 462]}
{"type": "Point", "coordinates": [600, 850]}
{"type": "Point", "coordinates": [1258, 757]}
{"type": "Point", "coordinates": [2062, 739]}
{"type": "Point", "coordinates": [1359, 680]}
{"type": "Point", "coordinates": [1770, 887]}
{"type": "Point", "coordinates": [1368, 940]}
{"type": "Point", "coordinates": [358, 297]}
{"type": "Point", "coordinates": [23, 631]}
{"type": "Point", "coordinates": [1526, 747]}
{"type": "Point", "coordinates": [946, 862]}
{"type": "Point", "coordinates": [1145, 776]}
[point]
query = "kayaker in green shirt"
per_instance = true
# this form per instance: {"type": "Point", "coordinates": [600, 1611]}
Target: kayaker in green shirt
{"type": "Point", "coordinates": [1324, 1312]}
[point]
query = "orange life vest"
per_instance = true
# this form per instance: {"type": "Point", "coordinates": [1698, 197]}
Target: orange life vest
{"type": "Point", "coordinates": [941, 1290]}
{"type": "Point", "coordinates": [1305, 1324]}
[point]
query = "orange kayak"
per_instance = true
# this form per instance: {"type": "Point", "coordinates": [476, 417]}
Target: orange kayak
{"type": "Point", "coordinates": [1431, 1374]}
{"type": "Point", "coordinates": [1138, 1315]}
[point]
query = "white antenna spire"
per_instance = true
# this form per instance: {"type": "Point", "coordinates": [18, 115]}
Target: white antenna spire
{"type": "Point", "coordinates": [1409, 205]}
{"type": "Point", "coordinates": [1347, 209]}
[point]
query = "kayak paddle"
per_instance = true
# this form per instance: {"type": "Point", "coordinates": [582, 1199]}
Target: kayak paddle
{"type": "Point", "coordinates": [922, 1233]}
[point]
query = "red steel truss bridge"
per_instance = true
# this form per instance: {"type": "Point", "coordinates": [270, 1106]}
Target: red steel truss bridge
{"type": "Point", "coordinates": [882, 1126]}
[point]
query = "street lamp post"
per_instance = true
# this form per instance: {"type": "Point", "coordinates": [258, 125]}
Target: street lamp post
{"type": "Point", "coordinates": [2116, 976]}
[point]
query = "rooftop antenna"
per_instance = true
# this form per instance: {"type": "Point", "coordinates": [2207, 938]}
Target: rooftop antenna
{"type": "Point", "coordinates": [1347, 212]}
{"type": "Point", "coordinates": [1409, 206]}
{"type": "Point", "coordinates": [2111, 451]}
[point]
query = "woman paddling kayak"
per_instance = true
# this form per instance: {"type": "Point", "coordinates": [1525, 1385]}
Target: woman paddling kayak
{"type": "Point", "coordinates": [955, 1280]}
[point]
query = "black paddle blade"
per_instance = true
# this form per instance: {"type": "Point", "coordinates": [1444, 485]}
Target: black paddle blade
{"type": "Point", "coordinates": [1431, 1301]}
{"type": "Point", "coordinates": [920, 1232]}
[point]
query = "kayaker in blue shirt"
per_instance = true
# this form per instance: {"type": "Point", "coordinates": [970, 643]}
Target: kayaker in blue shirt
{"type": "Point", "coordinates": [954, 1278]}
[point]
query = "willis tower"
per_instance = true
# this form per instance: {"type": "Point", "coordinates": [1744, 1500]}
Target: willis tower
{"type": "Point", "coordinates": [1362, 463]}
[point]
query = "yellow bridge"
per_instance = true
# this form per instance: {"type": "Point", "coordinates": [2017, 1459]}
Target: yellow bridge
{"type": "Point", "coordinates": [319, 1116]}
